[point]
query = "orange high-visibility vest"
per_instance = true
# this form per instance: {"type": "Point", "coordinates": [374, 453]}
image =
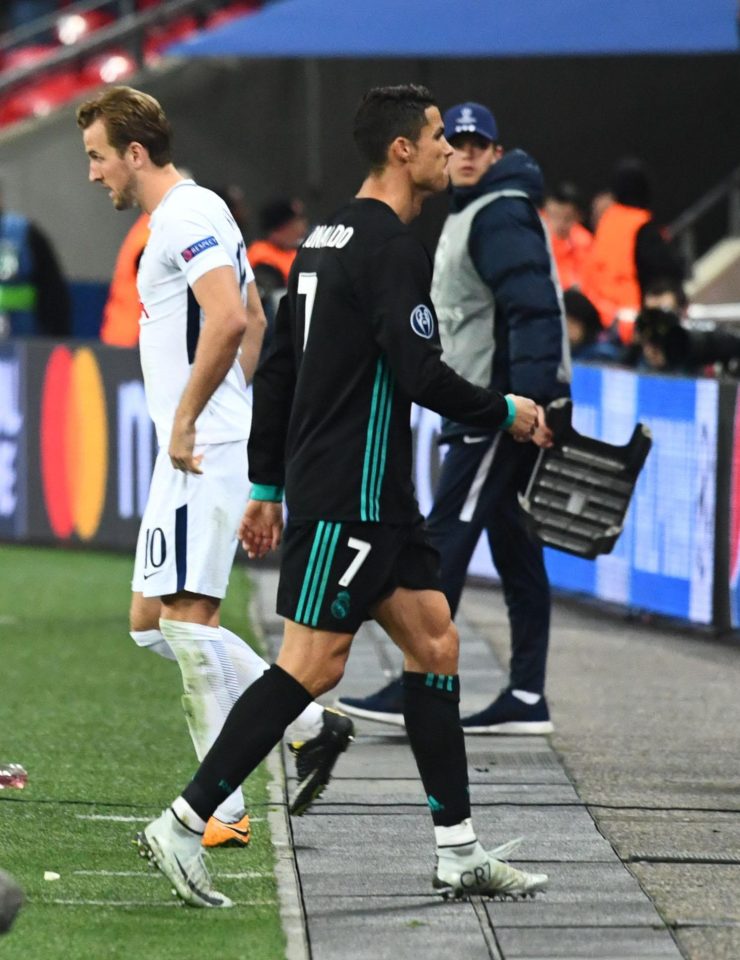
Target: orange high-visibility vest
{"type": "Point", "coordinates": [571, 255]}
{"type": "Point", "coordinates": [610, 280]}
{"type": "Point", "coordinates": [122, 310]}
{"type": "Point", "coordinates": [262, 251]}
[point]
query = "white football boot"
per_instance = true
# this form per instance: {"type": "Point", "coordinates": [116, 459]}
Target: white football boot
{"type": "Point", "coordinates": [177, 852]}
{"type": "Point", "coordinates": [469, 869]}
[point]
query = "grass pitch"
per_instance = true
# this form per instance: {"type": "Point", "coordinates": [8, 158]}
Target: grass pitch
{"type": "Point", "coordinates": [98, 725]}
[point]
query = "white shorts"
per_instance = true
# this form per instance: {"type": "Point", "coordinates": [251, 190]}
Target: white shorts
{"type": "Point", "coordinates": [188, 534]}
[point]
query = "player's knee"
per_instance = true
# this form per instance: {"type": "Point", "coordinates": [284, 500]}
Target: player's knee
{"type": "Point", "coordinates": [140, 622]}
{"type": "Point", "coordinates": [443, 650]}
{"type": "Point", "coordinates": [330, 676]}
{"type": "Point", "coordinates": [143, 613]}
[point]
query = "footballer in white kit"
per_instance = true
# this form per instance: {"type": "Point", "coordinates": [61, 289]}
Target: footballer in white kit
{"type": "Point", "coordinates": [201, 329]}
{"type": "Point", "coordinates": [187, 538]}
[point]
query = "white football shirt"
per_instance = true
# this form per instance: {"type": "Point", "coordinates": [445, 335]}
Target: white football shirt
{"type": "Point", "coordinates": [192, 232]}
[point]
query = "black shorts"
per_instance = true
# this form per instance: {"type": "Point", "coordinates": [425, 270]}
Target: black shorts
{"type": "Point", "coordinates": [332, 573]}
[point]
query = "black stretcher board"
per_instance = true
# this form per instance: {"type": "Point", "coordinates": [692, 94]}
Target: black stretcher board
{"type": "Point", "coordinates": [580, 488]}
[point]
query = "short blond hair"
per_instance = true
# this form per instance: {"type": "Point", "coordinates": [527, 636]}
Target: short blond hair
{"type": "Point", "coordinates": [130, 116]}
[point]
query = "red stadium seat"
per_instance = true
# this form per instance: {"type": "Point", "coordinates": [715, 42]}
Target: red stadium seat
{"type": "Point", "coordinates": [22, 57]}
{"type": "Point", "coordinates": [40, 98]}
{"type": "Point", "coordinates": [230, 12]}
{"type": "Point", "coordinates": [162, 36]}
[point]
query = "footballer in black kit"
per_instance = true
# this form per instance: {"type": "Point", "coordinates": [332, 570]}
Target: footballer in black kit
{"type": "Point", "coordinates": [356, 342]}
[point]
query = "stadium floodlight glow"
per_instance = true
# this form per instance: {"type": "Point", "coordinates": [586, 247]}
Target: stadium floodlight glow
{"type": "Point", "coordinates": [72, 28]}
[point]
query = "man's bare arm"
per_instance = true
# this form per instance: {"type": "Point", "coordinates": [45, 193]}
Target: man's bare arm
{"type": "Point", "coordinates": [224, 325]}
{"type": "Point", "coordinates": [252, 340]}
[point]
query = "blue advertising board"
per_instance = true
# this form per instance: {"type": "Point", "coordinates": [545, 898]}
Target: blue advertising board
{"type": "Point", "coordinates": [663, 561]}
{"type": "Point", "coordinates": [13, 465]}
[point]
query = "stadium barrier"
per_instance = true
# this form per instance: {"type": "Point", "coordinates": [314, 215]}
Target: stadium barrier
{"type": "Point", "coordinates": [77, 450]}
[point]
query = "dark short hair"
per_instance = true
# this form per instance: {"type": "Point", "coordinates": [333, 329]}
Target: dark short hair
{"type": "Point", "coordinates": [386, 113]}
{"type": "Point", "coordinates": [579, 307]}
{"type": "Point", "coordinates": [630, 184]}
{"type": "Point", "coordinates": [276, 214]}
{"type": "Point", "coordinates": [661, 285]}
{"type": "Point", "coordinates": [565, 192]}
{"type": "Point", "coordinates": [130, 116]}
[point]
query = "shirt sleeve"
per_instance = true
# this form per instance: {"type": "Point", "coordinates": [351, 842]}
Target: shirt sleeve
{"type": "Point", "coordinates": [508, 248]}
{"type": "Point", "coordinates": [194, 245]}
{"type": "Point", "coordinates": [397, 282]}
{"type": "Point", "coordinates": [272, 400]}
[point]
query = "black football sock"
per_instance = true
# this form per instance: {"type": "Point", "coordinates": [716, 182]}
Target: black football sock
{"type": "Point", "coordinates": [254, 725]}
{"type": "Point", "coordinates": [432, 713]}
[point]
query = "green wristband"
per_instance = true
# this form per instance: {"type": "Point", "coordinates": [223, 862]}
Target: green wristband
{"type": "Point", "coordinates": [264, 491]}
{"type": "Point", "coordinates": [511, 407]}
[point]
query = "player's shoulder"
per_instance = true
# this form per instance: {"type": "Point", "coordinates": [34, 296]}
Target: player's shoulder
{"type": "Point", "coordinates": [360, 220]}
{"type": "Point", "coordinates": [190, 196]}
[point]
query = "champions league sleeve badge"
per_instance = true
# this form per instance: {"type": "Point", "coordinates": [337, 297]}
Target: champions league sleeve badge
{"type": "Point", "coordinates": [422, 321]}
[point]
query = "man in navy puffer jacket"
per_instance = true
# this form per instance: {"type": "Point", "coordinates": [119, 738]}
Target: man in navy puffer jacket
{"type": "Point", "coordinates": [501, 323]}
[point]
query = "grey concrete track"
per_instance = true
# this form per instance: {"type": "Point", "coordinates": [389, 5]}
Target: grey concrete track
{"type": "Point", "coordinates": [647, 728]}
{"type": "Point", "coordinates": [621, 808]}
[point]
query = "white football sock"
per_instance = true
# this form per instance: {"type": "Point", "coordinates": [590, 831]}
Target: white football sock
{"type": "Point", "coordinates": [187, 816]}
{"type": "Point", "coordinates": [154, 641]}
{"type": "Point", "coordinates": [526, 697]}
{"type": "Point", "coordinates": [246, 667]}
{"type": "Point", "coordinates": [456, 835]}
{"type": "Point", "coordinates": [206, 699]}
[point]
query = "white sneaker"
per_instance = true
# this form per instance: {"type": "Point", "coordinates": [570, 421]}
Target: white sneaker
{"type": "Point", "coordinates": [177, 852]}
{"type": "Point", "coordinates": [469, 869]}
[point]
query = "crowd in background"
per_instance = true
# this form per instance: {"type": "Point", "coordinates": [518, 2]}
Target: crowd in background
{"type": "Point", "coordinates": [621, 277]}
{"type": "Point", "coordinates": [623, 282]}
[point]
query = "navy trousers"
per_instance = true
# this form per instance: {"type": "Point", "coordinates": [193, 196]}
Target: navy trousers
{"type": "Point", "coordinates": [477, 491]}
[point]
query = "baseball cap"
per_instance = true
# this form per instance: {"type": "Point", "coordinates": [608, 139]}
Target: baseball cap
{"type": "Point", "coordinates": [470, 118]}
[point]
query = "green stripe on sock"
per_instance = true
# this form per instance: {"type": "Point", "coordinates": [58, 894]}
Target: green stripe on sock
{"type": "Point", "coordinates": [309, 570]}
{"type": "Point", "coordinates": [327, 567]}
{"type": "Point", "coordinates": [429, 682]}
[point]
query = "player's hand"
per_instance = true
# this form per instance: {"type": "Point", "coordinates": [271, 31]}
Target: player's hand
{"type": "Point", "coordinates": [525, 419]}
{"type": "Point", "coordinates": [261, 529]}
{"type": "Point", "coordinates": [542, 435]}
{"type": "Point", "coordinates": [182, 444]}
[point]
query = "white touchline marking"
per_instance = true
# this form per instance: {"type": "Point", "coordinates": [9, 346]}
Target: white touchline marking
{"type": "Point", "coordinates": [144, 903]}
{"type": "Point", "coordinates": [152, 875]}
{"type": "Point", "coordinates": [119, 818]}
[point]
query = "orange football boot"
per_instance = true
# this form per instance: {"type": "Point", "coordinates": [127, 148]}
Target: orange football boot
{"type": "Point", "coordinates": [220, 834]}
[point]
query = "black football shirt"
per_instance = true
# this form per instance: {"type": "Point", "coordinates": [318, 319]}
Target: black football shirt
{"type": "Point", "coordinates": [356, 341]}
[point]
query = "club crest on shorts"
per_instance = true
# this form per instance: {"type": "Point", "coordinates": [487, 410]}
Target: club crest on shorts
{"type": "Point", "coordinates": [422, 321]}
{"type": "Point", "coordinates": [340, 607]}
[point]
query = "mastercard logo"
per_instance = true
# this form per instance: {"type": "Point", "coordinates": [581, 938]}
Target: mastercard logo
{"type": "Point", "coordinates": [74, 443]}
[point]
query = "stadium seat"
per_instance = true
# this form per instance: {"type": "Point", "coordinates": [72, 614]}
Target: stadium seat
{"type": "Point", "coordinates": [40, 98]}
{"type": "Point", "coordinates": [580, 488]}
{"type": "Point", "coordinates": [229, 13]}
{"type": "Point", "coordinates": [22, 57]}
{"type": "Point", "coordinates": [162, 36]}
